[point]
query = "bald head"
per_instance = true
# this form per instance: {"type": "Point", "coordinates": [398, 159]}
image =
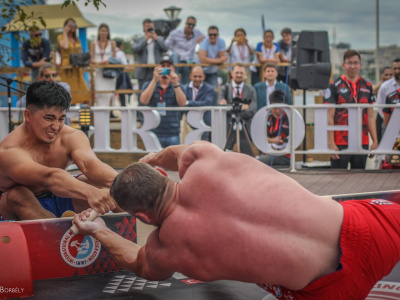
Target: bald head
{"type": "Point", "coordinates": [197, 76]}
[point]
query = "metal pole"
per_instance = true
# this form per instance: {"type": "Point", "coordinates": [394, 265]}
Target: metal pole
{"type": "Point", "coordinates": [305, 121]}
{"type": "Point", "coordinates": [10, 122]}
{"type": "Point", "coordinates": [377, 71]}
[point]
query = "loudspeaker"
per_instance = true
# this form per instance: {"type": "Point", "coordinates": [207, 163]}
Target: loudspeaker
{"type": "Point", "coordinates": [310, 63]}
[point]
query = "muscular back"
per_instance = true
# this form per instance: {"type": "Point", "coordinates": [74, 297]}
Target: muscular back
{"type": "Point", "coordinates": [239, 219]}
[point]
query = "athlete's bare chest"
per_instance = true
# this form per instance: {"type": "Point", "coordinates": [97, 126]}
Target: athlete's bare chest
{"type": "Point", "coordinates": [55, 157]}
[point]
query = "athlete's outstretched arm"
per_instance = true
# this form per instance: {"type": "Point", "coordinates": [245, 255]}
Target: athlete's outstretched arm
{"type": "Point", "coordinates": [168, 158]}
{"type": "Point", "coordinates": [126, 254]}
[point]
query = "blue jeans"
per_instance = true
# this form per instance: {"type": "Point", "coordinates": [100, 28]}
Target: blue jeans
{"type": "Point", "coordinates": [184, 71]}
{"type": "Point", "coordinates": [168, 140]}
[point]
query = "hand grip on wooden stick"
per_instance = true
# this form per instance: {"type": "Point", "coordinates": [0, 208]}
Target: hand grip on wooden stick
{"type": "Point", "coordinates": [93, 215]}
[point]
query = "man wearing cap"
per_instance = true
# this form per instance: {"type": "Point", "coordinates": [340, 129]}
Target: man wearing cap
{"type": "Point", "coordinates": [164, 90]}
{"type": "Point", "coordinates": [35, 51]}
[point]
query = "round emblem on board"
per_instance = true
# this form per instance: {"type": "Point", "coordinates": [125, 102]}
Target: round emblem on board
{"type": "Point", "coordinates": [79, 250]}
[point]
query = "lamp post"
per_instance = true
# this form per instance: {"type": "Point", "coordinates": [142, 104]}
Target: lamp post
{"type": "Point", "coordinates": [377, 70]}
{"type": "Point", "coordinates": [172, 12]}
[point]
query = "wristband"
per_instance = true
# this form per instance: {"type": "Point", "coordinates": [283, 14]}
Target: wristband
{"type": "Point", "coordinates": [176, 86]}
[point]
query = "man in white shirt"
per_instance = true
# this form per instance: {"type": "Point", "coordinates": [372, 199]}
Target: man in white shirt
{"type": "Point", "coordinates": [199, 93]}
{"type": "Point", "coordinates": [265, 88]}
{"type": "Point", "coordinates": [238, 89]}
{"type": "Point", "coordinates": [149, 49]}
{"type": "Point", "coordinates": [388, 87]}
{"type": "Point", "coordinates": [183, 43]}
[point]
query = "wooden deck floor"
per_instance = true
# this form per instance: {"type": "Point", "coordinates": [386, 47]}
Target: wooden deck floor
{"type": "Point", "coordinates": [333, 182]}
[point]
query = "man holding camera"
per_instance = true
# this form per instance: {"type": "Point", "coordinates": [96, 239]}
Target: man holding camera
{"type": "Point", "coordinates": [35, 51]}
{"type": "Point", "coordinates": [149, 49]}
{"type": "Point", "coordinates": [235, 93]}
{"type": "Point", "coordinates": [164, 90]}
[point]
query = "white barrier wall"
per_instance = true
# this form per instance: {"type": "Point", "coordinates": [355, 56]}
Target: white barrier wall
{"type": "Point", "coordinates": [130, 130]}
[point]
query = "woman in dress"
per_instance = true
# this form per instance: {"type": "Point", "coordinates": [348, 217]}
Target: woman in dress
{"type": "Point", "coordinates": [100, 51]}
{"type": "Point", "coordinates": [69, 43]}
{"type": "Point", "coordinates": [240, 51]}
{"type": "Point", "coordinates": [266, 52]}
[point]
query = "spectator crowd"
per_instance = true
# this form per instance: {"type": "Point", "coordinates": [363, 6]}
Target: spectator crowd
{"type": "Point", "coordinates": [168, 85]}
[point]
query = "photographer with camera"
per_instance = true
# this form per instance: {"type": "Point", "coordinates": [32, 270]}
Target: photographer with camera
{"type": "Point", "coordinates": [277, 131]}
{"type": "Point", "coordinates": [164, 90]}
{"type": "Point", "coordinates": [149, 49]}
{"type": "Point", "coordinates": [243, 99]}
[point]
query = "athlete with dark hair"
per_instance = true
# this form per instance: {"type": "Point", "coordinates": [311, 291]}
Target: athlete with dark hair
{"type": "Point", "coordinates": [34, 156]}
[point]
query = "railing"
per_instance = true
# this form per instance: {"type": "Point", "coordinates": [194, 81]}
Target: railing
{"type": "Point", "coordinates": [127, 68]}
{"type": "Point", "coordinates": [130, 129]}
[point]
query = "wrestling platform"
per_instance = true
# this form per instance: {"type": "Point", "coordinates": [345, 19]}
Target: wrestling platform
{"type": "Point", "coordinates": [43, 259]}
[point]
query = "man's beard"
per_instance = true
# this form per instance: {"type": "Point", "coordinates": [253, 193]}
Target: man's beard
{"type": "Point", "coordinates": [397, 76]}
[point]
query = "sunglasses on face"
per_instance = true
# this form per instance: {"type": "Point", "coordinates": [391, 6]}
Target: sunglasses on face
{"type": "Point", "coordinates": [47, 76]}
{"type": "Point", "coordinates": [37, 34]}
{"type": "Point", "coordinates": [212, 34]}
{"type": "Point", "coordinates": [191, 24]}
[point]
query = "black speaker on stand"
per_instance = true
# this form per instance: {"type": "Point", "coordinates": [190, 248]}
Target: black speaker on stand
{"type": "Point", "coordinates": [310, 64]}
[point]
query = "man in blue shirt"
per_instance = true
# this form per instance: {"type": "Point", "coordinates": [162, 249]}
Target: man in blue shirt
{"type": "Point", "coordinates": [35, 51]}
{"type": "Point", "coordinates": [212, 51]}
{"type": "Point", "coordinates": [183, 43]}
{"type": "Point", "coordinates": [164, 90]}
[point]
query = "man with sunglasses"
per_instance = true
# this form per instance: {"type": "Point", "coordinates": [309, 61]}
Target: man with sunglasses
{"type": "Point", "coordinates": [183, 43]}
{"type": "Point", "coordinates": [35, 52]}
{"type": "Point", "coordinates": [47, 72]}
{"type": "Point", "coordinates": [212, 51]}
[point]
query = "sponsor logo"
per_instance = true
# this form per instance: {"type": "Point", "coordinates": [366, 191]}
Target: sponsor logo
{"type": "Point", "coordinates": [365, 90]}
{"type": "Point", "coordinates": [385, 290]}
{"type": "Point", "coordinates": [343, 90]}
{"type": "Point", "coordinates": [328, 93]}
{"type": "Point", "coordinates": [79, 250]}
{"type": "Point", "coordinates": [380, 202]}
{"type": "Point", "coordinates": [277, 290]}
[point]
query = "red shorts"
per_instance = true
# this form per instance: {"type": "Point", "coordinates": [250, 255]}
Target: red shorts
{"type": "Point", "coordinates": [370, 248]}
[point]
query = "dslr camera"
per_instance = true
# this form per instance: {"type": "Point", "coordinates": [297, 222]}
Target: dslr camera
{"type": "Point", "coordinates": [238, 102]}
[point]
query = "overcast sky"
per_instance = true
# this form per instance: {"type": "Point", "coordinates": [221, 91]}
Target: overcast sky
{"type": "Point", "coordinates": [349, 21]}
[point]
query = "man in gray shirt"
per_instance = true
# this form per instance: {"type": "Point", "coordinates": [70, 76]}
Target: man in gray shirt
{"type": "Point", "coordinates": [183, 43]}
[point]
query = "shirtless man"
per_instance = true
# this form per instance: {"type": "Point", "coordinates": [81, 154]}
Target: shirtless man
{"type": "Point", "coordinates": [34, 156]}
{"type": "Point", "coordinates": [273, 232]}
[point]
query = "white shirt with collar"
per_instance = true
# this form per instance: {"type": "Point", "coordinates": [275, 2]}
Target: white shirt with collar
{"type": "Point", "coordinates": [195, 91]}
{"type": "Point", "coordinates": [269, 90]}
{"type": "Point", "coordinates": [234, 88]}
{"type": "Point", "coordinates": [386, 88]}
{"type": "Point", "coordinates": [151, 60]}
